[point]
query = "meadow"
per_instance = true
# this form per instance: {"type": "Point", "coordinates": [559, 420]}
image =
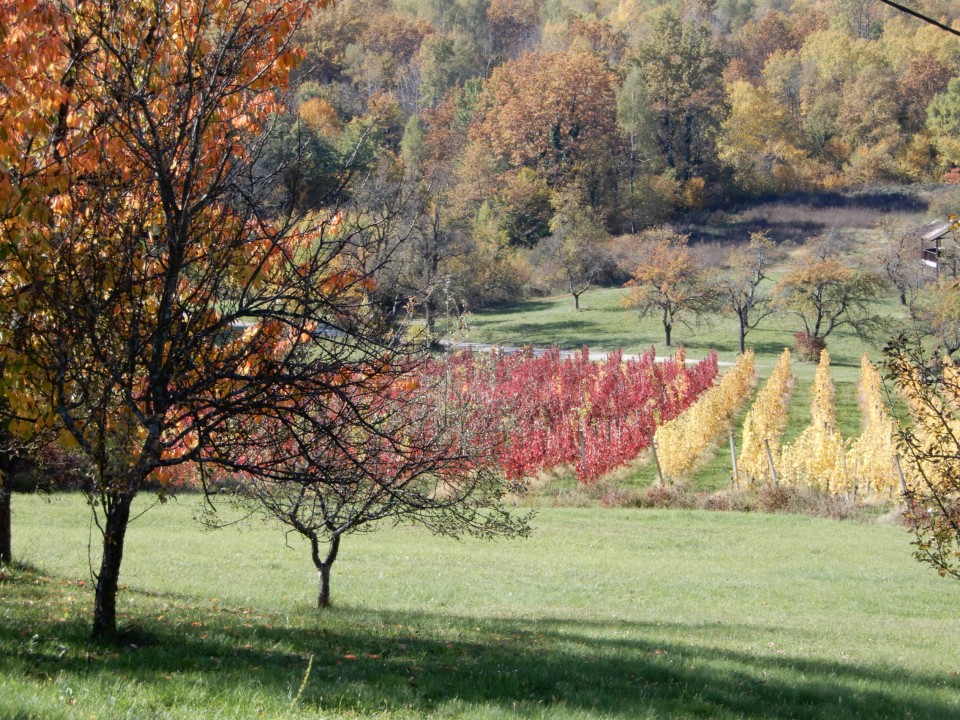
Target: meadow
{"type": "Point", "coordinates": [602, 613]}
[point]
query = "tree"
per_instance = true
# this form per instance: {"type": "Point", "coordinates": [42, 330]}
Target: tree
{"type": "Point", "coordinates": [669, 281]}
{"type": "Point", "coordinates": [900, 263]}
{"type": "Point", "coordinates": [410, 446]}
{"type": "Point", "coordinates": [824, 295]}
{"type": "Point", "coordinates": [553, 112]}
{"type": "Point", "coordinates": [158, 292]}
{"type": "Point", "coordinates": [682, 69]}
{"type": "Point", "coordinates": [575, 246]}
{"type": "Point", "coordinates": [930, 445]}
{"type": "Point", "coordinates": [745, 268]}
{"type": "Point", "coordinates": [936, 312]}
{"type": "Point", "coordinates": [758, 142]}
{"type": "Point", "coordinates": [943, 122]}
{"type": "Point", "coordinates": [642, 154]}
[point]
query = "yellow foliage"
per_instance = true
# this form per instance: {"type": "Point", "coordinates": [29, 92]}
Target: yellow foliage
{"type": "Point", "coordinates": [684, 441]}
{"type": "Point", "coordinates": [871, 457]}
{"type": "Point", "coordinates": [817, 458]}
{"type": "Point", "coordinates": [766, 421]}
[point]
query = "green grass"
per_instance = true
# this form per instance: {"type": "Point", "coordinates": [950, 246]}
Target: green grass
{"type": "Point", "coordinates": [601, 614]}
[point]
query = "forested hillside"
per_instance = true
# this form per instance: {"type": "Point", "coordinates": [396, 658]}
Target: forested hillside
{"type": "Point", "coordinates": [518, 135]}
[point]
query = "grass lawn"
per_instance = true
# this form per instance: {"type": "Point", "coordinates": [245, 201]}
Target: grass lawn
{"type": "Point", "coordinates": [602, 613]}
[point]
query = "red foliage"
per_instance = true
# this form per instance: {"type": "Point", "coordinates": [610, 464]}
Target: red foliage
{"type": "Point", "coordinates": [593, 415]}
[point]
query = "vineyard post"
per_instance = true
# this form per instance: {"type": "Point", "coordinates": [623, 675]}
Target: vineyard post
{"type": "Point", "coordinates": [773, 470]}
{"type": "Point", "coordinates": [903, 482]}
{"type": "Point", "coordinates": [583, 446]}
{"type": "Point", "coordinates": [656, 460]}
{"type": "Point", "coordinates": [733, 460]}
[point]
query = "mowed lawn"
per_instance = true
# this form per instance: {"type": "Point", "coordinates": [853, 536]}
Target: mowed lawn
{"type": "Point", "coordinates": [612, 613]}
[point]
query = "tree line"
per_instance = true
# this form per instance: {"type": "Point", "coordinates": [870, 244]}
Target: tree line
{"type": "Point", "coordinates": [533, 130]}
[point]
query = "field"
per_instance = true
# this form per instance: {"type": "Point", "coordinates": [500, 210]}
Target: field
{"type": "Point", "coordinates": [602, 324]}
{"type": "Point", "coordinates": [602, 613]}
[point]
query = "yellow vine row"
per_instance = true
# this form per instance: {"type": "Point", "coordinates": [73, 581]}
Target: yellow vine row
{"type": "Point", "coordinates": [682, 443]}
{"type": "Point", "coordinates": [764, 424]}
{"type": "Point", "coordinates": [871, 458]}
{"type": "Point", "coordinates": [817, 458]}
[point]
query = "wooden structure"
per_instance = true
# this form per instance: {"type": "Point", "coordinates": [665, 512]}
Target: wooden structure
{"type": "Point", "coordinates": [939, 246]}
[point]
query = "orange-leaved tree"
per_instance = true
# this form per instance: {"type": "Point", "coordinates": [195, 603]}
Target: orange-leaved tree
{"type": "Point", "coordinates": [669, 281]}
{"type": "Point", "coordinates": [154, 290]}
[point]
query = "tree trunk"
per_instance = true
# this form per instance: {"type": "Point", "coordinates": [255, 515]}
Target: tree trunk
{"type": "Point", "coordinates": [743, 334]}
{"type": "Point", "coordinates": [576, 301]}
{"type": "Point", "coordinates": [323, 568]}
{"type": "Point", "coordinates": [114, 533]}
{"type": "Point", "coordinates": [6, 549]}
{"type": "Point", "coordinates": [667, 329]}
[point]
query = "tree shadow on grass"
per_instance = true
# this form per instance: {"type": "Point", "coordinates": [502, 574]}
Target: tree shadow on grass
{"type": "Point", "coordinates": [430, 663]}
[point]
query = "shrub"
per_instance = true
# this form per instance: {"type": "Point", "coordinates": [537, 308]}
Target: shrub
{"type": "Point", "coordinates": [808, 346]}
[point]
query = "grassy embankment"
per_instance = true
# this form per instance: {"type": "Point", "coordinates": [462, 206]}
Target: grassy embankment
{"type": "Point", "coordinates": [602, 613]}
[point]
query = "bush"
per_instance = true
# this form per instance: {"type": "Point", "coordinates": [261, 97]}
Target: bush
{"type": "Point", "coordinates": [668, 496]}
{"type": "Point", "coordinates": [808, 347]}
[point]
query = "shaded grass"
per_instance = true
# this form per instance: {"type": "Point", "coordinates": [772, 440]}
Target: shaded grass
{"type": "Point", "coordinates": [602, 613]}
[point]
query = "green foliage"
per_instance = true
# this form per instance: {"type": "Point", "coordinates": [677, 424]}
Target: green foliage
{"type": "Point", "coordinates": [943, 120]}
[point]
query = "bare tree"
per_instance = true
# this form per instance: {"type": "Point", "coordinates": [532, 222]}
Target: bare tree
{"type": "Point", "coordinates": [402, 444]}
{"type": "Point", "coordinates": [745, 268]}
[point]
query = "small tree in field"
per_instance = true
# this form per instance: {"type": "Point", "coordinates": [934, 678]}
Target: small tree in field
{"type": "Point", "coordinates": [669, 282]}
{"type": "Point", "coordinates": [825, 295]}
{"type": "Point", "coordinates": [745, 268]}
{"type": "Point", "coordinates": [574, 250]}
{"type": "Point", "coordinates": [155, 289]}
{"type": "Point", "coordinates": [411, 444]}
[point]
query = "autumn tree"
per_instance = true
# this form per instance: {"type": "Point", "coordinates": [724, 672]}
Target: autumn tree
{"type": "Point", "coordinates": [682, 69]}
{"type": "Point", "coordinates": [414, 446]}
{"type": "Point", "coordinates": [553, 112]}
{"type": "Point", "coordinates": [160, 291]}
{"type": "Point", "coordinates": [758, 141]}
{"type": "Point", "coordinates": [824, 295]}
{"type": "Point", "coordinates": [943, 122]}
{"type": "Point", "coordinates": [574, 249]}
{"type": "Point", "coordinates": [936, 312]}
{"type": "Point", "coordinates": [669, 281]}
{"type": "Point", "coordinates": [745, 268]}
{"type": "Point", "coordinates": [931, 445]}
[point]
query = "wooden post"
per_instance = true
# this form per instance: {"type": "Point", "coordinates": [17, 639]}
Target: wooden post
{"type": "Point", "coordinates": [656, 460]}
{"type": "Point", "coordinates": [583, 447]}
{"type": "Point", "coordinates": [773, 470]}
{"type": "Point", "coordinates": [733, 461]}
{"type": "Point", "coordinates": [903, 482]}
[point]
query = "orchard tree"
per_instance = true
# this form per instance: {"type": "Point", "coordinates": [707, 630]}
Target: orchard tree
{"type": "Point", "coordinates": [156, 291]}
{"type": "Point", "coordinates": [899, 262]}
{"type": "Point", "coordinates": [669, 282]}
{"type": "Point", "coordinates": [825, 295]}
{"type": "Point", "coordinates": [575, 249]}
{"type": "Point", "coordinates": [745, 268]}
{"type": "Point", "coordinates": [410, 445]}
